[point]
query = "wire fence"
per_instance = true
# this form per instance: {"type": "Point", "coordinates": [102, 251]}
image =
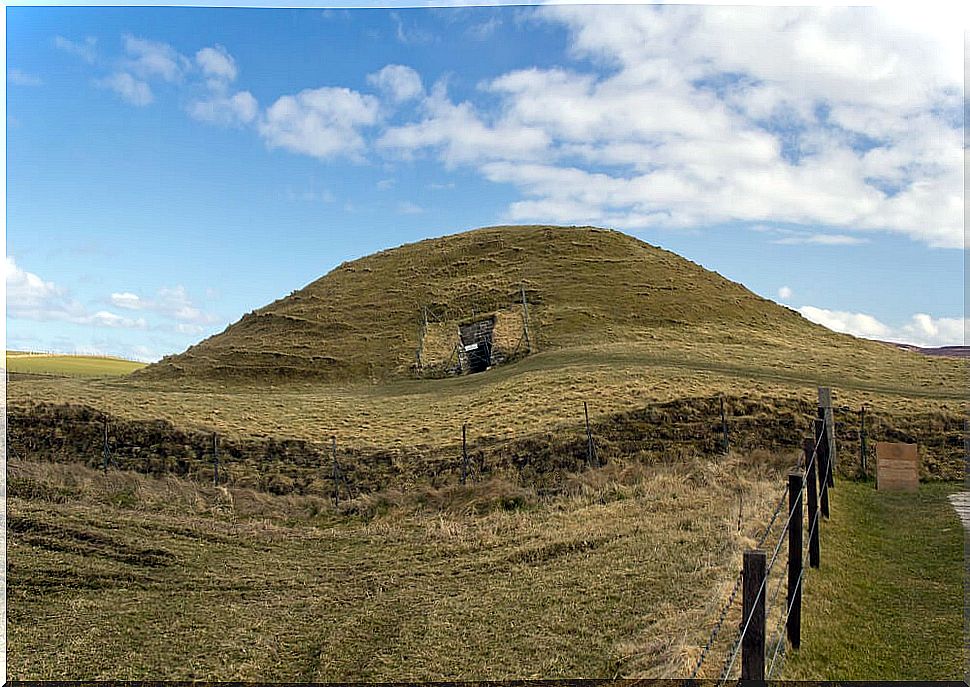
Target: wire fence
{"type": "Point", "coordinates": [761, 602]}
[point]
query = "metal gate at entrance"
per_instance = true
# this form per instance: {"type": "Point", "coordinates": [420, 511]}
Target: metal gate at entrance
{"type": "Point", "coordinates": [476, 339]}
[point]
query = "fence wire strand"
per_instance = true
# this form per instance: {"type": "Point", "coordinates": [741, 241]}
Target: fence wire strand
{"type": "Point", "coordinates": [729, 664]}
{"type": "Point", "coordinates": [780, 644]}
{"type": "Point", "coordinates": [737, 583]}
{"type": "Point", "coordinates": [717, 626]}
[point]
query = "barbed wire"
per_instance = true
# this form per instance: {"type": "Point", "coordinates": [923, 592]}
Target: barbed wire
{"type": "Point", "coordinates": [774, 516]}
{"type": "Point", "coordinates": [717, 626]}
{"type": "Point", "coordinates": [780, 641]}
{"type": "Point", "coordinates": [780, 644]}
{"type": "Point", "coordinates": [761, 540]}
{"type": "Point", "coordinates": [729, 664]}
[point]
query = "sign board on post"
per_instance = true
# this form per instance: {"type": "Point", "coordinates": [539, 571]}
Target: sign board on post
{"type": "Point", "coordinates": [897, 467]}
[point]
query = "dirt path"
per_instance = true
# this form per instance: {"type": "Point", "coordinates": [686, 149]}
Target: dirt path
{"type": "Point", "coordinates": [961, 503]}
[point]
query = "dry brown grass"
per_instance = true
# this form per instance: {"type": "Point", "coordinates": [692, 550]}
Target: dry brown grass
{"type": "Point", "coordinates": [542, 392]}
{"type": "Point", "coordinates": [452, 584]}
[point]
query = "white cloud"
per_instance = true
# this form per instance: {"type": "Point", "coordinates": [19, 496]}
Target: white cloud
{"type": "Point", "coordinates": [410, 35]}
{"type": "Point", "coordinates": [170, 302]}
{"type": "Point", "coordinates": [920, 330]}
{"type": "Point", "coordinates": [857, 324]}
{"type": "Point", "coordinates": [484, 30]}
{"type": "Point", "coordinates": [104, 318]}
{"type": "Point", "coordinates": [216, 63]}
{"type": "Point", "coordinates": [784, 293]}
{"type": "Point", "coordinates": [399, 82]}
{"type": "Point", "coordinates": [822, 240]}
{"type": "Point", "coordinates": [190, 329]}
{"type": "Point", "coordinates": [928, 331]}
{"type": "Point", "coordinates": [235, 110]}
{"type": "Point", "coordinates": [21, 78]}
{"type": "Point", "coordinates": [324, 122]}
{"type": "Point", "coordinates": [408, 208]}
{"type": "Point", "coordinates": [31, 298]}
{"type": "Point", "coordinates": [219, 107]}
{"type": "Point", "coordinates": [831, 117]}
{"type": "Point", "coordinates": [133, 91]}
{"type": "Point", "coordinates": [147, 58]}
{"type": "Point", "coordinates": [126, 300]}
{"type": "Point", "coordinates": [87, 50]}
{"type": "Point", "coordinates": [460, 135]}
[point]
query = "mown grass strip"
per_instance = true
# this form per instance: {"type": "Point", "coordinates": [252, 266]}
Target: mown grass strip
{"type": "Point", "coordinates": [887, 603]}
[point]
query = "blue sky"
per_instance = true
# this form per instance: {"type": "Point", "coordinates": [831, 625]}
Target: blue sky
{"type": "Point", "coordinates": [170, 169]}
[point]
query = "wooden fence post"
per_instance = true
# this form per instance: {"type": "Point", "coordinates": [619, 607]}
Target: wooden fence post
{"type": "Point", "coordinates": [828, 414]}
{"type": "Point", "coordinates": [105, 454]}
{"type": "Point", "coordinates": [215, 459]}
{"type": "Point", "coordinates": [811, 486]}
{"type": "Point", "coordinates": [525, 319]}
{"type": "Point", "coordinates": [823, 464]}
{"type": "Point", "coordinates": [725, 438]}
{"type": "Point", "coordinates": [591, 460]}
{"type": "Point", "coordinates": [794, 622]}
{"type": "Point", "coordinates": [335, 473]}
{"type": "Point", "coordinates": [862, 441]}
{"type": "Point", "coordinates": [753, 641]}
{"type": "Point", "coordinates": [464, 456]}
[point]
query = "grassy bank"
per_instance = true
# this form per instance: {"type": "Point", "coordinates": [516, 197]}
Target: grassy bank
{"type": "Point", "coordinates": [888, 600]}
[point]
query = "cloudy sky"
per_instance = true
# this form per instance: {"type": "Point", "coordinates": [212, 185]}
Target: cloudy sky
{"type": "Point", "coordinates": [170, 169]}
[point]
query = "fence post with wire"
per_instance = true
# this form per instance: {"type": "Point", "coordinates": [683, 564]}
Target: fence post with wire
{"type": "Point", "coordinates": [760, 590]}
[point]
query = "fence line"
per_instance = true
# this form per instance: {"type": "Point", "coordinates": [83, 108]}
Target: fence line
{"type": "Point", "coordinates": [818, 468]}
{"type": "Point", "coordinates": [753, 665]}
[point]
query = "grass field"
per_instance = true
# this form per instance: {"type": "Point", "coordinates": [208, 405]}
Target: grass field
{"type": "Point", "coordinates": [888, 600]}
{"type": "Point", "coordinates": [620, 572]}
{"type": "Point", "coordinates": [537, 394]}
{"type": "Point", "coordinates": [69, 365]}
{"type": "Point", "coordinates": [128, 577]}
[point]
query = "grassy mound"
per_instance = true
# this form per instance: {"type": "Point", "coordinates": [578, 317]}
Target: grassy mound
{"type": "Point", "coordinates": [583, 286]}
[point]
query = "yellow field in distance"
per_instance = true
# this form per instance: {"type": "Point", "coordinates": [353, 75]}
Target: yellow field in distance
{"type": "Point", "coordinates": [69, 365]}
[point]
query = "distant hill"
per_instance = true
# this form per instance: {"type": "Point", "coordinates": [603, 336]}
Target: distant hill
{"type": "Point", "coordinates": [57, 364]}
{"type": "Point", "coordinates": [946, 351]}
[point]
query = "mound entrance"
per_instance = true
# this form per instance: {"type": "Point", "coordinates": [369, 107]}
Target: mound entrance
{"type": "Point", "coordinates": [453, 346]}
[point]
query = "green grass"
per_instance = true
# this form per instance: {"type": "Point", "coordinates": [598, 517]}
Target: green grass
{"type": "Point", "coordinates": [888, 601]}
{"type": "Point", "coordinates": [70, 365]}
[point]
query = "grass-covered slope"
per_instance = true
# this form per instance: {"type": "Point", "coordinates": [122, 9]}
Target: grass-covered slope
{"type": "Point", "coordinates": [583, 285]}
{"type": "Point", "coordinates": [621, 325]}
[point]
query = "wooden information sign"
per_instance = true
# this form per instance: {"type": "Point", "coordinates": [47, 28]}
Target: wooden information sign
{"type": "Point", "coordinates": [897, 467]}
